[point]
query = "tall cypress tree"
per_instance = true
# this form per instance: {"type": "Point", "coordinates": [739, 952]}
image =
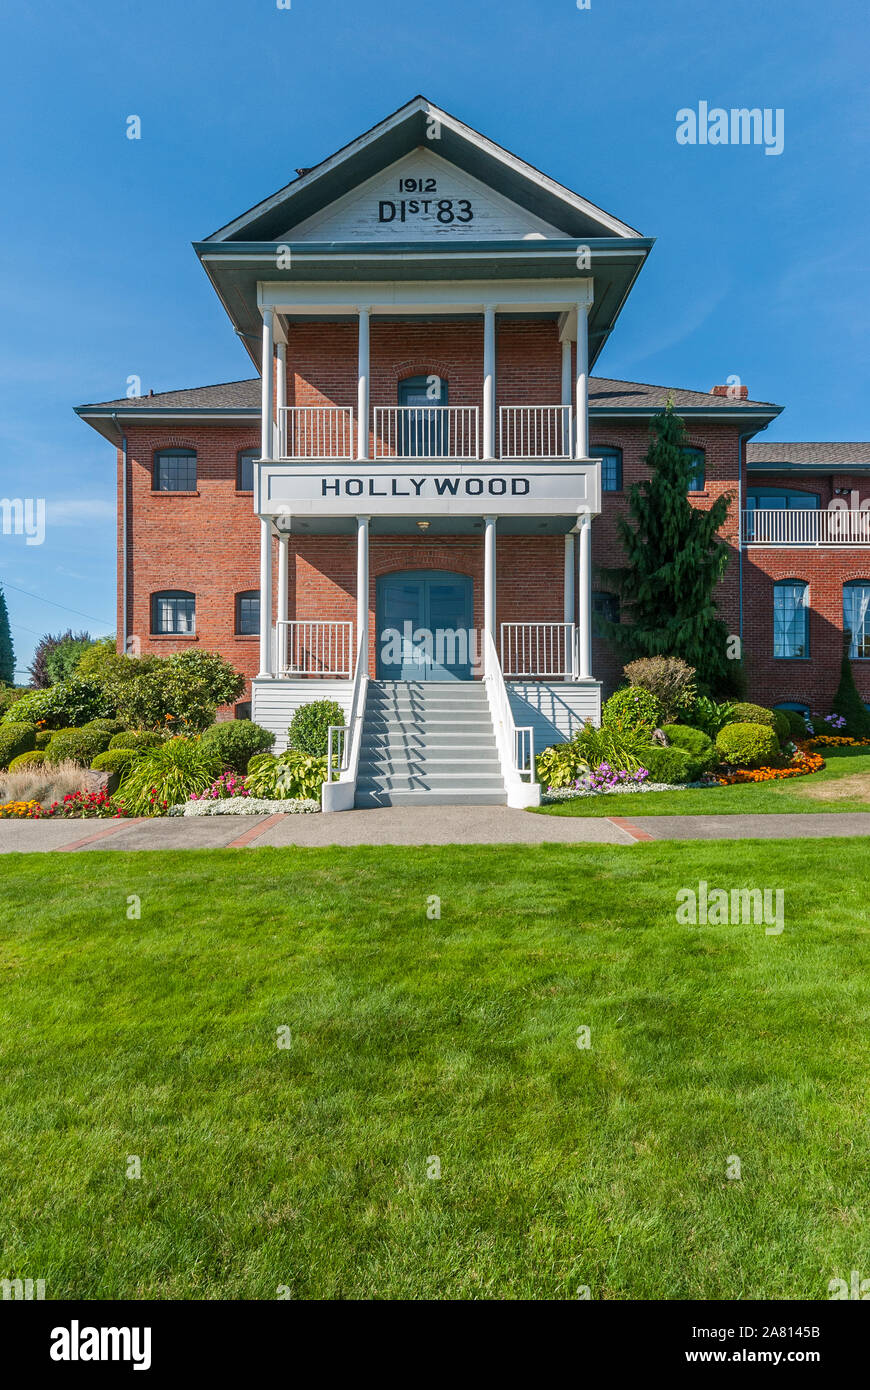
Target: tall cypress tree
{"type": "Point", "coordinates": [674, 560]}
{"type": "Point", "coordinates": [7, 651]}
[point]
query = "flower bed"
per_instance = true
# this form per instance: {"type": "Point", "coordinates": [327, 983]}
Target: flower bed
{"type": "Point", "coordinates": [805, 761]}
{"type": "Point", "coordinates": [245, 806]}
{"type": "Point", "coordinates": [20, 810]}
{"type": "Point", "coordinates": [83, 806]}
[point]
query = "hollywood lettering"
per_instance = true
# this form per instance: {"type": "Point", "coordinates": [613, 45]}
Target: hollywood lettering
{"type": "Point", "coordinates": [444, 486]}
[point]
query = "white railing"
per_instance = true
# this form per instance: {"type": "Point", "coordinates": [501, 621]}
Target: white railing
{"type": "Point", "coordinates": [516, 743]}
{"type": "Point", "coordinates": [345, 741]}
{"type": "Point", "coordinates": [534, 431]}
{"type": "Point", "coordinates": [315, 432]}
{"type": "Point", "coordinates": [423, 431]}
{"type": "Point", "coordinates": [539, 651]}
{"type": "Point", "coordinates": [313, 648]}
{"type": "Point", "coordinates": [805, 526]}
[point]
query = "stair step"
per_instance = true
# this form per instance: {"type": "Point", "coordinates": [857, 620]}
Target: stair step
{"type": "Point", "coordinates": [430, 782]}
{"type": "Point", "coordinates": [459, 797]}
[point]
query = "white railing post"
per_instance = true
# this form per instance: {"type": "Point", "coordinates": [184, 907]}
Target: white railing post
{"type": "Point", "coordinates": [510, 740]}
{"type": "Point", "coordinates": [489, 393]}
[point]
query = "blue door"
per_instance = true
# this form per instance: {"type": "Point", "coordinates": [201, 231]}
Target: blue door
{"type": "Point", "coordinates": [423, 426]}
{"type": "Point", "coordinates": [425, 627]}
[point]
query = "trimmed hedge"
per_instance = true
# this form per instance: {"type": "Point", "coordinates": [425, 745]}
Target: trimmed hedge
{"type": "Point", "coordinates": [44, 737]}
{"type": "Point", "coordinates": [136, 738]}
{"type": "Point", "coordinates": [797, 725]}
{"type": "Point", "coordinates": [748, 745]}
{"type": "Point", "coordinates": [237, 741]}
{"type": "Point", "coordinates": [781, 725]}
{"type": "Point", "coordinates": [692, 741]}
{"type": "Point", "coordinates": [114, 760]}
{"type": "Point", "coordinates": [35, 758]}
{"type": "Point", "coordinates": [753, 714]}
{"type": "Point", "coordinates": [672, 765]}
{"type": "Point", "coordinates": [78, 746]}
{"type": "Point", "coordinates": [16, 739]}
{"type": "Point", "coordinates": [309, 727]}
{"type": "Point", "coordinates": [111, 726]}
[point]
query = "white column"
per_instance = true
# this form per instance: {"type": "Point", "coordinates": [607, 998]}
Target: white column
{"type": "Point", "coordinates": [584, 605]}
{"type": "Point", "coordinates": [581, 399]}
{"type": "Point", "coordinates": [488, 381]}
{"type": "Point", "coordinates": [362, 400]}
{"type": "Point", "coordinates": [281, 613]}
{"type": "Point", "coordinates": [570, 566]}
{"type": "Point", "coordinates": [281, 401]}
{"type": "Point", "coordinates": [266, 668]}
{"type": "Point", "coordinates": [489, 579]}
{"type": "Point", "coordinates": [567, 393]}
{"type": "Point", "coordinates": [362, 584]}
{"type": "Point", "coordinates": [266, 371]}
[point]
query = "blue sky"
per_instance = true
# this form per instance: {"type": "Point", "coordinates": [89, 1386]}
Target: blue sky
{"type": "Point", "coordinates": [760, 267]}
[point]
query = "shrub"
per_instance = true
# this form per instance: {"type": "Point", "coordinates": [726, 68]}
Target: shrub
{"type": "Point", "coordinates": [111, 726]}
{"type": "Point", "coordinates": [136, 738]}
{"type": "Point", "coordinates": [632, 708]}
{"type": "Point", "coordinates": [558, 765]}
{"type": "Point", "coordinates": [56, 657]}
{"type": "Point", "coordinates": [671, 765]}
{"type": "Point", "coordinates": [44, 737]}
{"type": "Point", "coordinates": [797, 725]}
{"type": "Point", "coordinates": [15, 739]}
{"type": "Point", "coordinates": [710, 717]}
{"type": "Point", "coordinates": [847, 700]}
{"type": "Point", "coordinates": [292, 776]}
{"type": "Point", "coordinates": [117, 760]}
{"type": "Point", "coordinates": [237, 740]}
{"type": "Point", "coordinates": [35, 758]}
{"type": "Point", "coordinates": [748, 744]}
{"type": "Point", "coordinates": [77, 745]}
{"type": "Point", "coordinates": [692, 741]}
{"type": "Point", "coordinates": [167, 775]}
{"type": "Point", "coordinates": [69, 704]}
{"type": "Point", "coordinates": [781, 725]}
{"type": "Point", "coordinates": [182, 691]}
{"type": "Point", "coordinates": [562, 763]}
{"type": "Point", "coordinates": [260, 760]}
{"type": "Point", "coordinates": [308, 730]}
{"type": "Point", "coordinates": [9, 695]}
{"type": "Point", "coordinates": [670, 679]}
{"type": "Point", "coordinates": [752, 714]}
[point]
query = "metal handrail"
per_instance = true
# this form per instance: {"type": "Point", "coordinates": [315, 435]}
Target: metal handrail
{"type": "Point", "coordinates": [315, 431]}
{"type": "Point", "coordinates": [427, 431]}
{"type": "Point", "coordinates": [534, 431]}
{"type": "Point", "coordinates": [539, 651]}
{"type": "Point", "coordinates": [804, 526]}
{"type": "Point", "coordinates": [325, 646]}
{"type": "Point", "coordinates": [514, 741]}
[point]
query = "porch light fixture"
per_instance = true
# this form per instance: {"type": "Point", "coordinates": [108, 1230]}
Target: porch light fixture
{"type": "Point", "coordinates": [424, 525]}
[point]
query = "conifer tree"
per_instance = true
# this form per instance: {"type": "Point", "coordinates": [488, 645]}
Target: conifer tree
{"type": "Point", "coordinates": [847, 701]}
{"type": "Point", "coordinates": [7, 651]}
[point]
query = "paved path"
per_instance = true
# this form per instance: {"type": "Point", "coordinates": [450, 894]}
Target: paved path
{"type": "Point", "coordinates": [434, 825]}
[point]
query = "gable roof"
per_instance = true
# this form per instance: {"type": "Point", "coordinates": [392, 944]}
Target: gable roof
{"type": "Point", "coordinates": [805, 455]}
{"type": "Point", "coordinates": [411, 128]}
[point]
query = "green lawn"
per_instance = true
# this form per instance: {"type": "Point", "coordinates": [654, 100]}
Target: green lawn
{"type": "Point", "coordinates": [792, 794]}
{"type": "Point", "coordinates": [306, 1167]}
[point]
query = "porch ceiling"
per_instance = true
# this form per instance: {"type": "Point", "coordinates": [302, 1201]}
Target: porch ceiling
{"type": "Point", "coordinates": [438, 526]}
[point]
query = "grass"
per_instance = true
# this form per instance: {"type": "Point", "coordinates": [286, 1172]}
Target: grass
{"type": "Point", "coordinates": [412, 1039]}
{"type": "Point", "coordinates": [798, 794]}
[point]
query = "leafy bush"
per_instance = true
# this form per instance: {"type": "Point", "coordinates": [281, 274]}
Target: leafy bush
{"type": "Point", "coordinates": [237, 740]}
{"type": "Point", "coordinates": [182, 691]}
{"type": "Point", "coordinates": [847, 700]}
{"type": "Point", "coordinates": [669, 679]}
{"type": "Point", "coordinates": [632, 708]}
{"type": "Point", "coordinates": [117, 760]}
{"type": "Point", "coordinates": [781, 725]}
{"type": "Point", "coordinates": [44, 737]}
{"type": "Point", "coordinates": [103, 663]}
{"type": "Point", "coordinates": [111, 726]}
{"type": "Point", "coordinates": [748, 744]}
{"type": "Point", "coordinates": [293, 775]}
{"type": "Point", "coordinates": [671, 765]}
{"type": "Point", "coordinates": [77, 745]}
{"type": "Point", "coordinates": [559, 765]}
{"type": "Point", "coordinates": [752, 714]}
{"type": "Point", "coordinates": [261, 760]}
{"type": "Point", "coordinates": [562, 763]}
{"type": "Point", "coordinates": [692, 741]}
{"type": "Point", "coordinates": [34, 758]}
{"type": "Point", "coordinates": [797, 725]}
{"type": "Point", "coordinates": [136, 738]}
{"type": "Point", "coordinates": [56, 657]}
{"type": "Point", "coordinates": [309, 729]}
{"type": "Point", "coordinates": [9, 695]}
{"type": "Point", "coordinates": [710, 717]}
{"type": "Point", "coordinates": [167, 775]}
{"type": "Point", "coordinates": [15, 739]}
{"type": "Point", "coordinates": [69, 704]}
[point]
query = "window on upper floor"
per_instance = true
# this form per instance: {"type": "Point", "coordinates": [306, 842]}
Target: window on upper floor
{"type": "Point", "coordinates": [856, 617]}
{"type": "Point", "coordinates": [698, 475]}
{"type": "Point", "coordinates": [791, 618]}
{"type": "Point", "coordinates": [606, 605]}
{"type": "Point", "coordinates": [248, 613]}
{"type": "Point", "coordinates": [611, 469]}
{"type": "Point", "coordinates": [245, 470]}
{"type": "Point", "coordinates": [780, 499]}
{"type": "Point", "coordinates": [175, 470]}
{"type": "Point", "coordinates": [173, 611]}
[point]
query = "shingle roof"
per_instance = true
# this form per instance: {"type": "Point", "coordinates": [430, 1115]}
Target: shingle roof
{"type": "Point", "coordinates": [610, 393]}
{"type": "Point", "coordinates": [226, 395]}
{"type": "Point", "coordinates": [761, 451]}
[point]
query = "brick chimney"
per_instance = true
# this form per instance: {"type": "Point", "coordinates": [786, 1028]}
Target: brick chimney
{"type": "Point", "coordinates": [735, 393]}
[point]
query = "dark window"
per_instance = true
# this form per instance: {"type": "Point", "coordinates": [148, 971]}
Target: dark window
{"type": "Point", "coordinates": [248, 613]}
{"type": "Point", "coordinates": [791, 619]}
{"type": "Point", "coordinates": [245, 470]}
{"type": "Point", "coordinates": [243, 710]}
{"type": "Point", "coordinates": [172, 611]}
{"type": "Point", "coordinates": [611, 469]}
{"type": "Point", "coordinates": [797, 705]}
{"type": "Point", "coordinates": [780, 499]}
{"type": "Point", "coordinates": [856, 619]}
{"type": "Point", "coordinates": [698, 475]}
{"type": "Point", "coordinates": [606, 605]}
{"type": "Point", "coordinates": [175, 470]}
{"type": "Point", "coordinates": [424, 431]}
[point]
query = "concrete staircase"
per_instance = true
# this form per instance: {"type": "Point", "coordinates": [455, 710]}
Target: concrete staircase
{"type": "Point", "coordinates": [428, 743]}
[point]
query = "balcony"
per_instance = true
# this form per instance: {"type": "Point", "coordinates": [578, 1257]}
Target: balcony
{"type": "Point", "coordinates": [805, 527]}
{"type": "Point", "coordinates": [434, 432]}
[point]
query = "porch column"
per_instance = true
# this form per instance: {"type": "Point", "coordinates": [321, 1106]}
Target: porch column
{"type": "Point", "coordinates": [281, 614]}
{"type": "Point", "coordinates": [362, 400]}
{"type": "Point", "coordinates": [362, 585]}
{"type": "Point", "coordinates": [280, 403]}
{"type": "Point", "coordinates": [266, 667]}
{"type": "Point", "coordinates": [584, 610]}
{"type": "Point", "coordinates": [570, 565]}
{"type": "Point", "coordinates": [567, 391]}
{"type": "Point", "coordinates": [581, 401]}
{"type": "Point", "coordinates": [267, 374]}
{"type": "Point", "coordinates": [489, 581]}
{"type": "Point", "coordinates": [488, 381]}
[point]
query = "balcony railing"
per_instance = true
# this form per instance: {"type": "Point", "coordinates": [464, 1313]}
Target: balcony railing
{"type": "Point", "coordinates": [314, 648]}
{"type": "Point", "coordinates": [316, 432]}
{"type": "Point", "coordinates": [539, 651]}
{"type": "Point", "coordinates": [421, 431]}
{"type": "Point", "coordinates": [534, 431]}
{"type": "Point", "coordinates": [805, 526]}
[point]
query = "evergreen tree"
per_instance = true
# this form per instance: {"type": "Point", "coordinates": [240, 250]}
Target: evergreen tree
{"type": "Point", "coordinates": [674, 560]}
{"type": "Point", "coordinates": [847, 700]}
{"type": "Point", "coordinates": [7, 651]}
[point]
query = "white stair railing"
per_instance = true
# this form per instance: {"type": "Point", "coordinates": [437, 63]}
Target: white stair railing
{"type": "Point", "coordinates": [539, 651]}
{"type": "Point", "coordinates": [309, 647]}
{"type": "Point", "coordinates": [338, 794]}
{"type": "Point", "coordinates": [515, 743]}
{"type": "Point", "coordinates": [534, 431]}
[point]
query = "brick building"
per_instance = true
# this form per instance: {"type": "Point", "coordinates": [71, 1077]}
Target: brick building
{"type": "Point", "coordinates": [419, 484]}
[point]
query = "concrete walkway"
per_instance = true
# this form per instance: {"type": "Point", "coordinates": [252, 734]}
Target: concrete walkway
{"type": "Point", "coordinates": [434, 825]}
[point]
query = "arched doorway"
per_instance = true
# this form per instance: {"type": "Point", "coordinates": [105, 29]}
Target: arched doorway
{"type": "Point", "coordinates": [425, 626]}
